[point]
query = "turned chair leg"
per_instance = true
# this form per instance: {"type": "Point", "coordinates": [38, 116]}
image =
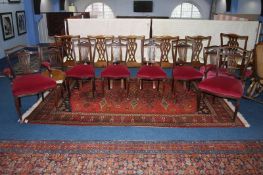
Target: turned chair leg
{"type": "Point", "coordinates": [172, 86]}
{"type": "Point", "coordinates": [109, 84]}
{"type": "Point", "coordinates": [93, 87]}
{"type": "Point", "coordinates": [127, 84]}
{"type": "Point", "coordinates": [163, 86]}
{"type": "Point", "coordinates": [42, 95]}
{"type": "Point", "coordinates": [56, 96]}
{"type": "Point", "coordinates": [18, 104]}
{"type": "Point", "coordinates": [102, 86]}
{"type": "Point", "coordinates": [68, 86]}
{"type": "Point", "coordinates": [199, 98]}
{"type": "Point", "coordinates": [236, 109]}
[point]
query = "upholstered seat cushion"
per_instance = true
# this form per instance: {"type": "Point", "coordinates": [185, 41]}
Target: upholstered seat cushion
{"type": "Point", "coordinates": [151, 72]}
{"type": "Point", "coordinates": [248, 73]}
{"type": "Point", "coordinates": [115, 71]}
{"type": "Point", "coordinates": [224, 86]}
{"type": "Point", "coordinates": [186, 73]}
{"type": "Point", "coordinates": [46, 64]}
{"type": "Point", "coordinates": [81, 71]}
{"type": "Point", "coordinates": [32, 84]}
{"type": "Point", "coordinates": [211, 71]}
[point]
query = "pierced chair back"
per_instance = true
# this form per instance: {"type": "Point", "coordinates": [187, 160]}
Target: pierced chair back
{"type": "Point", "coordinates": [180, 50]}
{"type": "Point", "coordinates": [132, 52]}
{"type": "Point", "coordinates": [233, 40]}
{"type": "Point", "coordinates": [157, 50]}
{"type": "Point", "coordinates": [164, 46]}
{"type": "Point", "coordinates": [82, 51]}
{"type": "Point", "coordinates": [52, 56]}
{"type": "Point", "coordinates": [227, 59]}
{"type": "Point", "coordinates": [116, 52]}
{"type": "Point", "coordinates": [148, 50]}
{"type": "Point", "coordinates": [197, 45]}
{"type": "Point", "coordinates": [65, 43]}
{"type": "Point", "coordinates": [100, 46]}
{"type": "Point", "coordinates": [23, 59]}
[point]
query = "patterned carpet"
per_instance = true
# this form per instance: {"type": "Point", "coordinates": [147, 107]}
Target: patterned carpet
{"type": "Point", "coordinates": [145, 107]}
{"type": "Point", "coordinates": [131, 157]}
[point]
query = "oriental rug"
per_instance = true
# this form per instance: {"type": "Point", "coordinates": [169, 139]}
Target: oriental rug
{"type": "Point", "coordinates": [142, 107]}
{"type": "Point", "coordinates": [131, 157]}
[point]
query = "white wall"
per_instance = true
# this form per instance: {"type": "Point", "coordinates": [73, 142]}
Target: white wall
{"type": "Point", "coordinates": [46, 6]}
{"type": "Point", "coordinates": [244, 6]}
{"type": "Point", "coordinates": [249, 6]}
{"type": "Point", "coordinates": [18, 39]}
{"type": "Point", "coordinates": [221, 6]}
{"type": "Point", "coordinates": [160, 7]}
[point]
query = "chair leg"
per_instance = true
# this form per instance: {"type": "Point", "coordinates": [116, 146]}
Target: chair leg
{"type": "Point", "coordinates": [102, 86]}
{"type": "Point", "coordinates": [93, 87]}
{"type": "Point", "coordinates": [158, 85]}
{"type": "Point", "coordinates": [42, 95]}
{"type": "Point", "coordinates": [68, 86]}
{"type": "Point", "coordinates": [108, 84]}
{"type": "Point", "coordinates": [80, 84]}
{"type": "Point", "coordinates": [127, 84]}
{"type": "Point", "coordinates": [172, 86]}
{"type": "Point", "coordinates": [18, 104]}
{"type": "Point", "coordinates": [163, 81]}
{"type": "Point", "coordinates": [214, 99]}
{"type": "Point", "coordinates": [236, 109]}
{"type": "Point", "coordinates": [189, 85]}
{"type": "Point", "coordinates": [199, 98]}
{"type": "Point", "coordinates": [56, 96]}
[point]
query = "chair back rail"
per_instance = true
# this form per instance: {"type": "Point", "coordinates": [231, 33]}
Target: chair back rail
{"type": "Point", "coordinates": [101, 48]}
{"type": "Point", "coordinates": [23, 59]}
{"type": "Point", "coordinates": [234, 40]}
{"type": "Point", "coordinates": [132, 52]}
{"type": "Point", "coordinates": [227, 58]}
{"type": "Point", "coordinates": [197, 44]}
{"type": "Point", "coordinates": [161, 46]}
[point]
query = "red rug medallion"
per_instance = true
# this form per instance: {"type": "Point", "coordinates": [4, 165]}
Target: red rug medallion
{"type": "Point", "coordinates": [145, 107]}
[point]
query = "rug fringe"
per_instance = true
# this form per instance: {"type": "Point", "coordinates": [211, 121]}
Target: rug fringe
{"type": "Point", "coordinates": [239, 115]}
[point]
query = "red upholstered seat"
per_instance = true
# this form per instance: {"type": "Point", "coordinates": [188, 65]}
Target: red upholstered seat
{"type": "Point", "coordinates": [210, 71]}
{"type": "Point", "coordinates": [226, 79]}
{"type": "Point", "coordinates": [248, 73]}
{"type": "Point", "coordinates": [32, 84]}
{"type": "Point", "coordinates": [115, 71]}
{"type": "Point", "coordinates": [46, 64]}
{"type": "Point", "coordinates": [81, 71]}
{"type": "Point", "coordinates": [186, 73]}
{"type": "Point", "coordinates": [206, 68]}
{"type": "Point", "coordinates": [222, 86]}
{"type": "Point", "coordinates": [151, 72]}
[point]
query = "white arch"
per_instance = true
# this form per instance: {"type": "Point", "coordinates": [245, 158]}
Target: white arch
{"type": "Point", "coordinates": [186, 10]}
{"type": "Point", "coordinates": [100, 10]}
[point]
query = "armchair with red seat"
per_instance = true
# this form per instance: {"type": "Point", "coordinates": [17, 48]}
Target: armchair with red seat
{"type": "Point", "coordinates": [25, 74]}
{"type": "Point", "coordinates": [228, 81]}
